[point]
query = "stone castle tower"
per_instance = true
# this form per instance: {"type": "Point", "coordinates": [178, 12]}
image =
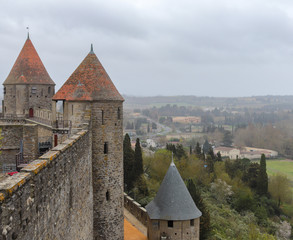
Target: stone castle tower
{"type": "Point", "coordinates": [28, 86]}
{"type": "Point", "coordinates": [173, 214]}
{"type": "Point", "coordinates": [90, 90]}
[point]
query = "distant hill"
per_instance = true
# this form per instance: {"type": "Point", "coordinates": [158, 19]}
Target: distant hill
{"type": "Point", "coordinates": [282, 102]}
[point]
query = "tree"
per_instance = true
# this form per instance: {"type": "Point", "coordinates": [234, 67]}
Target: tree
{"type": "Point", "coordinates": [205, 218]}
{"type": "Point", "coordinates": [206, 147]}
{"type": "Point", "coordinates": [138, 162]}
{"type": "Point", "coordinates": [128, 162]}
{"type": "Point", "coordinates": [227, 139]}
{"type": "Point", "coordinates": [251, 175]}
{"type": "Point", "coordinates": [140, 190]}
{"type": "Point", "coordinates": [280, 189]}
{"type": "Point", "coordinates": [262, 178]}
{"type": "Point", "coordinates": [211, 153]}
{"type": "Point", "coordinates": [219, 157]}
{"type": "Point", "coordinates": [210, 164]}
{"type": "Point", "coordinates": [197, 149]}
{"type": "Point", "coordinates": [180, 151]}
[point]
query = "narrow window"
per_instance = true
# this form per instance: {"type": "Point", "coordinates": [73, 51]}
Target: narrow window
{"type": "Point", "coordinates": [107, 196]}
{"type": "Point", "coordinates": [49, 90]}
{"type": "Point", "coordinates": [34, 90]}
{"type": "Point", "coordinates": [4, 90]}
{"type": "Point", "coordinates": [72, 109]}
{"type": "Point", "coordinates": [170, 224]}
{"type": "Point", "coordinates": [118, 113]}
{"type": "Point", "coordinates": [102, 117]}
{"type": "Point", "coordinates": [192, 222]}
{"type": "Point", "coordinates": [5, 109]}
{"type": "Point", "coordinates": [105, 148]}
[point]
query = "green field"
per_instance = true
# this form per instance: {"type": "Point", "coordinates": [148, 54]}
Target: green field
{"type": "Point", "coordinates": [280, 166]}
{"type": "Point", "coordinates": [285, 167]}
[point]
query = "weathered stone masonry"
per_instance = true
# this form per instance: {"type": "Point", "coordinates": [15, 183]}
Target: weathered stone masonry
{"type": "Point", "coordinates": [51, 198]}
{"type": "Point", "coordinates": [107, 170]}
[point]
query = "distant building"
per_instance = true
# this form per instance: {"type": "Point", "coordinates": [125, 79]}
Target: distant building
{"type": "Point", "coordinates": [186, 119]}
{"type": "Point", "coordinates": [151, 143]}
{"type": "Point", "coordinates": [245, 152]}
{"type": "Point", "coordinates": [173, 213]}
{"type": "Point", "coordinates": [255, 153]}
{"type": "Point", "coordinates": [231, 153]}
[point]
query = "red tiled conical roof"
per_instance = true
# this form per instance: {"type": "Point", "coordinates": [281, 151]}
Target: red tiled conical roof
{"type": "Point", "coordinates": [89, 82]}
{"type": "Point", "coordinates": [28, 68]}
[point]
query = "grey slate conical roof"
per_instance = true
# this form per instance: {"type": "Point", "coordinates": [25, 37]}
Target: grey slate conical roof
{"type": "Point", "coordinates": [173, 200]}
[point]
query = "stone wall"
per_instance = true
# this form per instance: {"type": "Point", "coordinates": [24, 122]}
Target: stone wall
{"type": "Point", "coordinates": [30, 142]}
{"type": "Point", "coordinates": [181, 230]}
{"type": "Point", "coordinates": [13, 131]}
{"type": "Point", "coordinates": [43, 114]}
{"type": "Point", "coordinates": [18, 99]}
{"type": "Point", "coordinates": [136, 209]}
{"type": "Point", "coordinates": [107, 141]}
{"type": "Point", "coordinates": [51, 198]}
{"type": "Point", "coordinates": [11, 135]}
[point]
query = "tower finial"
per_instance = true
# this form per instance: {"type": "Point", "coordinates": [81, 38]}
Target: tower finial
{"type": "Point", "coordinates": [28, 32]}
{"type": "Point", "coordinates": [92, 48]}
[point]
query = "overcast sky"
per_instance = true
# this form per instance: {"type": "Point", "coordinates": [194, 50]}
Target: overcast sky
{"type": "Point", "coordinates": [160, 47]}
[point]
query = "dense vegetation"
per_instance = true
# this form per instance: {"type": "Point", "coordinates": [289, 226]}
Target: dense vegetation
{"type": "Point", "coordinates": [237, 199]}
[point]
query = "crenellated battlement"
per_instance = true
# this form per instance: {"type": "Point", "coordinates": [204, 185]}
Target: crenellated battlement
{"type": "Point", "coordinates": [52, 196]}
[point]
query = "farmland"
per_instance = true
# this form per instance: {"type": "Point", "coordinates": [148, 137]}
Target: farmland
{"type": "Point", "coordinates": [280, 166]}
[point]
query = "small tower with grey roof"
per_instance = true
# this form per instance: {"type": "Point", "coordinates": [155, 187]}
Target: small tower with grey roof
{"type": "Point", "coordinates": [173, 213]}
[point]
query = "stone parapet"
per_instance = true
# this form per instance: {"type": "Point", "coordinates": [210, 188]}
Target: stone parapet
{"type": "Point", "coordinates": [136, 209]}
{"type": "Point", "coordinates": [51, 198]}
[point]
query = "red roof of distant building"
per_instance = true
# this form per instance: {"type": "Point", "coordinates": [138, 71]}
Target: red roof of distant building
{"type": "Point", "coordinates": [28, 68]}
{"type": "Point", "coordinates": [88, 82]}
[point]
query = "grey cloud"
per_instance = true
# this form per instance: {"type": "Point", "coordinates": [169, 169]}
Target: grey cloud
{"type": "Point", "coordinates": [160, 47]}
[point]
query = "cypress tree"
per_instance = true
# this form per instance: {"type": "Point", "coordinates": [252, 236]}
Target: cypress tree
{"type": "Point", "coordinates": [219, 157]}
{"type": "Point", "coordinates": [262, 179]}
{"type": "Point", "coordinates": [205, 218]}
{"type": "Point", "coordinates": [206, 147]}
{"type": "Point", "coordinates": [128, 162]}
{"type": "Point", "coordinates": [197, 149]}
{"type": "Point", "coordinates": [138, 162]}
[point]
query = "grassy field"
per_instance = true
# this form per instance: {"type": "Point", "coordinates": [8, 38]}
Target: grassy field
{"type": "Point", "coordinates": [280, 166]}
{"type": "Point", "coordinates": [285, 167]}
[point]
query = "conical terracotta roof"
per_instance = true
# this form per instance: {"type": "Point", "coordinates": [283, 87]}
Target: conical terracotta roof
{"type": "Point", "coordinates": [88, 82]}
{"type": "Point", "coordinates": [28, 68]}
{"type": "Point", "coordinates": [173, 200]}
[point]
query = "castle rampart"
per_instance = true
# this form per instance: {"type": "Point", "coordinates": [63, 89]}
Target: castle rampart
{"type": "Point", "coordinates": [51, 198]}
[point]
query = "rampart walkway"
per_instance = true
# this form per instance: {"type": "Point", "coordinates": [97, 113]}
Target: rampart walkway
{"type": "Point", "coordinates": [133, 229]}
